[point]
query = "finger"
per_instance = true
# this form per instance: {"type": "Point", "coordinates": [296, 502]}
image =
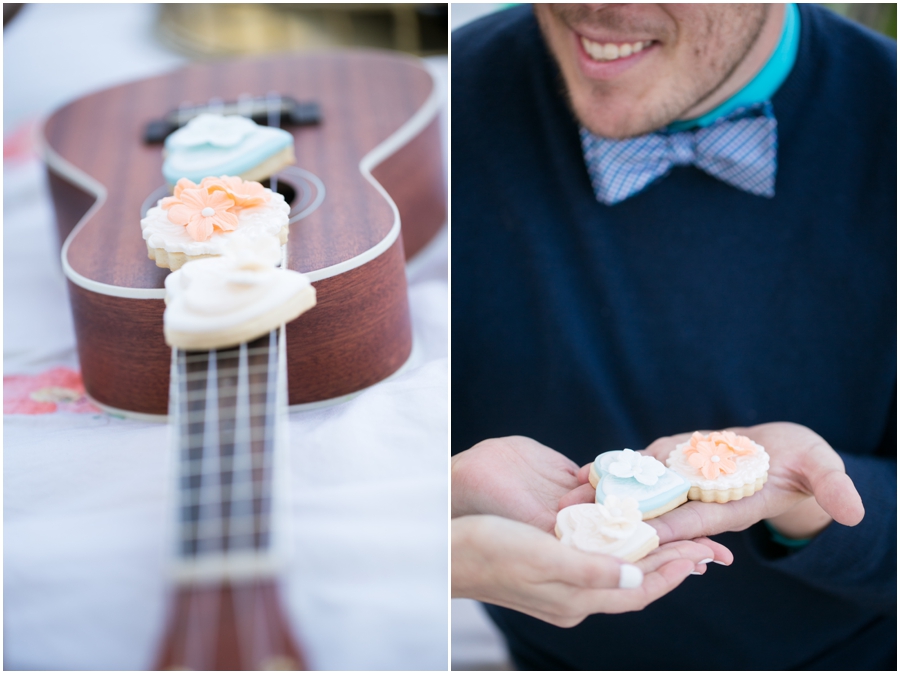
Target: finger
{"type": "Point", "coordinates": [584, 474]}
{"type": "Point", "coordinates": [655, 585]}
{"type": "Point", "coordinates": [696, 553]}
{"type": "Point", "coordinates": [583, 494]}
{"type": "Point", "coordinates": [832, 487]}
{"type": "Point", "coordinates": [695, 519]}
{"type": "Point", "coordinates": [594, 571]}
{"type": "Point", "coordinates": [721, 554]}
{"type": "Point", "coordinates": [665, 579]}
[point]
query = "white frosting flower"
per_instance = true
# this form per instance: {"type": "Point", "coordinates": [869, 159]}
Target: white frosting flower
{"type": "Point", "coordinates": [620, 516]}
{"type": "Point", "coordinates": [215, 130]}
{"type": "Point", "coordinates": [601, 528]}
{"type": "Point", "coordinates": [644, 469]}
{"type": "Point", "coordinates": [586, 529]}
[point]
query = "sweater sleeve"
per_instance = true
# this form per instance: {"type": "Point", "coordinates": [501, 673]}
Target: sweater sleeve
{"type": "Point", "coordinates": [856, 563]}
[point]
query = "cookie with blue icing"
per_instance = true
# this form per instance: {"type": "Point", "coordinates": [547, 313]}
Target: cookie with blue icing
{"type": "Point", "coordinates": [215, 145]}
{"type": "Point", "coordinates": [628, 473]}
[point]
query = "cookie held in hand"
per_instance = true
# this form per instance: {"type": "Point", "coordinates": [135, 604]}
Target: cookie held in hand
{"type": "Point", "coordinates": [721, 466]}
{"type": "Point", "coordinates": [614, 528]}
{"type": "Point", "coordinates": [628, 473]}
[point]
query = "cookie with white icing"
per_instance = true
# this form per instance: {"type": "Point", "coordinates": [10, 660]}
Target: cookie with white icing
{"type": "Point", "coordinates": [212, 145]}
{"type": "Point", "coordinates": [626, 473]}
{"type": "Point", "coordinates": [201, 220]}
{"type": "Point", "coordinates": [613, 528]}
{"type": "Point", "coordinates": [223, 301]}
{"type": "Point", "coordinates": [721, 466]}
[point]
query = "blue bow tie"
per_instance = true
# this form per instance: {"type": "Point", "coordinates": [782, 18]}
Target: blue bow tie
{"type": "Point", "coordinates": [739, 149]}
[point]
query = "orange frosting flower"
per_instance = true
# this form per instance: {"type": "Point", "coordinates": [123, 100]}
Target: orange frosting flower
{"type": "Point", "coordinates": [182, 185]}
{"type": "Point", "coordinates": [710, 459]}
{"type": "Point", "coordinates": [202, 212]}
{"type": "Point", "coordinates": [740, 444]}
{"type": "Point", "coordinates": [246, 193]}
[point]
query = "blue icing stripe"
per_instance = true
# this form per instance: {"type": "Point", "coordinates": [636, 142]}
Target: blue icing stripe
{"type": "Point", "coordinates": [225, 161]}
{"type": "Point", "coordinates": [669, 486]}
{"type": "Point", "coordinates": [649, 497]}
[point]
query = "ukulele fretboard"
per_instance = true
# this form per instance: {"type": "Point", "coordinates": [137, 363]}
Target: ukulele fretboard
{"type": "Point", "coordinates": [227, 413]}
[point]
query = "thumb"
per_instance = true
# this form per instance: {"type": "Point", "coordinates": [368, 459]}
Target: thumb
{"type": "Point", "coordinates": [584, 473]}
{"type": "Point", "coordinates": [595, 571]}
{"type": "Point", "coordinates": [583, 494]}
{"type": "Point", "coordinates": [836, 493]}
{"type": "Point", "coordinates": [832, 487]}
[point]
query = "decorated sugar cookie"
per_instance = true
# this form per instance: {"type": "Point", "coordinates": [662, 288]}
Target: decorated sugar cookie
{"type": "Point", "coordinates": [222, 301]}
{"type": "Point", "coordinates": [201, 220]}
{"type": "Point", "coordinates": [210, 145]}
{"type": "Point", "coordinates": [613, 528]}
{"type": "Point", "coordinates": [627, 473]}
{"type": "Point", "coordinates": [721, 466]}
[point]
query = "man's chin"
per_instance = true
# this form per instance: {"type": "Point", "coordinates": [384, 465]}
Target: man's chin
{"type": "Point", "coordinates": [620, 126]}
{"type": "Point", "coordinates": [617, 131]}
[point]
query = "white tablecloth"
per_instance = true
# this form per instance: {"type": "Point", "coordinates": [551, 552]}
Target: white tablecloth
{"type": "Point", "coordinates": [85, 514]}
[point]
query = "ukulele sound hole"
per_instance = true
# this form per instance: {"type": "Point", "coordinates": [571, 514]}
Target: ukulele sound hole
{"type": "Point", "coordinates": [303, 191]}
{"type": "Point", "coordinates": [285, 189]}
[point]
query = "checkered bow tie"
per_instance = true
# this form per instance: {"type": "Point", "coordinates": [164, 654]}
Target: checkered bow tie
{"type": "Point", "coordinates": [739, 149]}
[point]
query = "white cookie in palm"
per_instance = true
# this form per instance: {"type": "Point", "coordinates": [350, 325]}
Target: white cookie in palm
{"type": "Point", "coordinates": [721, 466]}
{"type": "Point", "coordinates": [614, 528]}
{"type": "Point", "coordinates": [628, 473]}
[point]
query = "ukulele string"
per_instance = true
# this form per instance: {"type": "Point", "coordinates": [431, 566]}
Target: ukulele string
{"type": "Point", "coordinates": [273, 109]}
{"type": "Point", "coordinates": [248, 600]}
{"type": "Point", "coordinates": [243, 456]}
{"type": "Point", "coordinates": [200, 637]}
{"type": "Point", "coordinates": [216, 106]}
{"type": "Point", "coordinates": [183, 115]}
{"type": "Point", "coordinates": [226, 490]}
{"type": "Point", "coordinates": [245, 105]}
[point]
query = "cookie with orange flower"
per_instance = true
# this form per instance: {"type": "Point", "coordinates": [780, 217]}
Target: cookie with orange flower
{"type": "Point", "coordinates": [721, 466]}
{"type": "Point", "coordinates": [201, 220]}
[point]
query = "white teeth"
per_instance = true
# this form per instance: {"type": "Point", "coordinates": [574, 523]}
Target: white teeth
{"type": "Point", "coordinates": [611, 51]}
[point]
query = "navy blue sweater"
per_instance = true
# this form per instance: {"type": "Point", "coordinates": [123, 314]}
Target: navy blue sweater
{"type": "Point", "coordinates": [691, 305]}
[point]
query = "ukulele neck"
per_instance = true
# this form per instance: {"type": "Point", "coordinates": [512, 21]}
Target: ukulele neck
{"type": "Point", "coordinates": [228, 413]}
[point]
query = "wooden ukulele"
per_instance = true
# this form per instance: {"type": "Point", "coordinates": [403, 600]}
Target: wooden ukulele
{"type": "Point", "coordinates": [228, 412]}
{"type": "Point", "coordinates": [372, 163]}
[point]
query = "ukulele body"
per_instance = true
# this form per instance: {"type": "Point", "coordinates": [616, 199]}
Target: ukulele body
{"type": "Point", "coordinates": [374, 162]}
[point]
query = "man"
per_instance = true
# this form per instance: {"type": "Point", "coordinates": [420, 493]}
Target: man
{"type": "Point", "coordinates": [670, 218]}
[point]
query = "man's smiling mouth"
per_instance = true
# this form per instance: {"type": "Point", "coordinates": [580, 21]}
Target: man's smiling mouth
{"type": "Point", "coordinates": [612, 51]}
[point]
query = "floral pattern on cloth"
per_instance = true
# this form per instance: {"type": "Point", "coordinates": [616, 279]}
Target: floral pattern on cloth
{"type": "Point", "coordinates": [56, 390]}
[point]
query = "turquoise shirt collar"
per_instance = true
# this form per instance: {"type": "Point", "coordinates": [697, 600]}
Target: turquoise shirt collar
{"type": "Point", "coordinates": [767, 81]}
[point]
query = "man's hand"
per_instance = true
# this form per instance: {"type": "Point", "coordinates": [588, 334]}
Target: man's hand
{"type": "Point", "coordinates": [514, 477]}
{"type": "Point", "coordinates": [515, 565]}
{"type": "Point", "coordinates": [807, 489]}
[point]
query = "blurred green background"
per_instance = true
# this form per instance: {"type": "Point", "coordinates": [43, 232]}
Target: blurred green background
{"type": "Point", "coordinates": [879, 16]}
